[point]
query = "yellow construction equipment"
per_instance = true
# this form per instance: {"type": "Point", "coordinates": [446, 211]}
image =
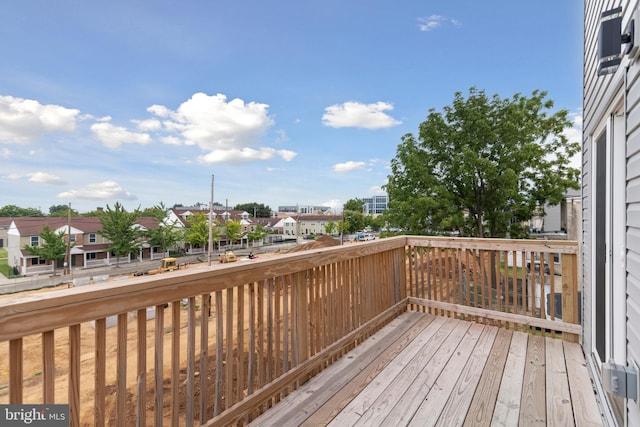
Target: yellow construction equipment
{"type": "Point", "coordinates": [168, 264]}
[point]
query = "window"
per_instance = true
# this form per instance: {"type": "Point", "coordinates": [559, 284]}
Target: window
{"type": "Point", "coordinates": [35, 240]}
{"type": "Point", "coordinates": [92, 255]}
{"type": "Point", "coordinates": [72, 238]}
{"type": "Point", "coordinates": [92, 237]}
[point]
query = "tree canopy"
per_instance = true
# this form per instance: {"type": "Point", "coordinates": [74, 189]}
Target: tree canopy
{"type": "Point", "coordinates": [118, 226]}
{"type": "Point", "coordinates": [52, 248]}
{"type": "Point", "coordinates": [353, 216]}
{"type": "Point", "coordinates": [233, 230]}
{"type": "Point", "coordinates": [168, 233]}
{"type": "Point", "coordinates": [483, 166]}
{"type": "Point", "coordinates": [259, 210]}
{"type": "Point", "coordinates": [197, 233]}
{"type": "Point", "coordinates": [16, 211]}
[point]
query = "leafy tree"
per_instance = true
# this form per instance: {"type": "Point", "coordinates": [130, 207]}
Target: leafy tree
{"type": "Point", "coordinates": [234, 230]}
{"type": "Point", "coordinates": [118, 226]}
{"type": "Point", "coordinates": [53, 247]}
{"type": "Point", "coordinates": [354, 205]}
{"type": "Point", "coordinates": [257, 234]}
{"type": "Point", "coordinates": [197, 232]}
{"type": "Point", "coordinates": [16, 211]}
{"type": "Point", "coordinates": [353, 215]}
{"type": "Point", "coordinates": [259, 209]}
{"type": "Point", "coordinates": [168, 233]}
{"type": "Point", "coordinates": [330, 228]}
{"type": "Point", "coordinates": [483, 166]}
{"type": "Point", "coordinates": [62, 211]}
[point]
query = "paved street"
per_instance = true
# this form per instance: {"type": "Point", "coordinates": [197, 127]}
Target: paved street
{"type": "Point", "coordinates": [20, 284]}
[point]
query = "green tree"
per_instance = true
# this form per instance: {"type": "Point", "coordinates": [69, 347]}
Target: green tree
{"type": "Point", "coordinates": [330, 228]}
{"type": "Point", "coordinates": [197, 232]}
{"type": "Point", "coordinates": [258, 210]}
{"type": "Point", "coordinates": [483, 166]}
{"type": "Point", "coordinates": [257, 234]}
{"type": "Point", "coordinates": [61, 210]}
{"type": "Point", "coordinates": [168, 233]}
{"type": "Point", "coordinates": [233, 230]}
{"type": "Point", "coordinates": [16, 211]}
{"type": "Point", "coordinates": [118, 226]}
{"type": "Point", "coordinates": [53, 247]}
{"type": "Point", "coordinates": [353, 214]}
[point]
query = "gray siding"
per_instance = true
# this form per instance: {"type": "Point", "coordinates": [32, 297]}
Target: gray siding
{"type": "Point", "coordinates": [599, 94]}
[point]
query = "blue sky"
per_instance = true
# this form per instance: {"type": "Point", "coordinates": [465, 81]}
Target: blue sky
{"type": "Point", "coordinates": [285, 102]}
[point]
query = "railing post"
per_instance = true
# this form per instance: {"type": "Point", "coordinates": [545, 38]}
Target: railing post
{"type": "Point", "coordinates": [569, 292]}
{"type": "Point", "coordinates": [301, 317]}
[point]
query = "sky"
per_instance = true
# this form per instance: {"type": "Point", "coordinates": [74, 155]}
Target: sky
{"type": "Point", "coordinates": [281, 102]}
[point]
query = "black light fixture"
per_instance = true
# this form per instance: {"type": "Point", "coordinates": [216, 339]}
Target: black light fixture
{"type": "Point", "coordinates": [611, 39]}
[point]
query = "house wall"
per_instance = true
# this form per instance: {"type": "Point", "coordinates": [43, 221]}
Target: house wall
{"type": "Point", "coordinates": [612, 105]}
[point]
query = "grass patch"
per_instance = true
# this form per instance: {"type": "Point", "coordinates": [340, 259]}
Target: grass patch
{"type": "Point", "coordinates": [5, 268]}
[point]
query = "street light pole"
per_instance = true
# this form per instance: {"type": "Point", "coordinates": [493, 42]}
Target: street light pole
{"type": "Point", "coordinates": [211, 222]}
{"type": "Point", "coordinates": [67, 255]}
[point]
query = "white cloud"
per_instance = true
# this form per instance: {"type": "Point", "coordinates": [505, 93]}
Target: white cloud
{"type": "Point", "coordinates": [212, 123]}
{"type": "Point", "coordinates": [432, 22]}
{"type": "Point", "coordinates": [114, 136]}
{"type": "Point", "coordinates": [5, 153]}
{"type": "Point", "coordinates": [246, 155]}
{"type": "Point", "coordinates": [355, 114]}
{"type": "Point", "coordinates": [148, 125]}
{"type": "Point", "coordinates": [227, 131]}
{"type": "Point", "coordinates": [107, 190]}
{"type": "Point", "coordinates": [377, 190]}
{"type": "Point", "coordinates": [45, 178]}
{"type": "Point", "coordinates": [348, 166]}
{"type": "Point", "coordinates": [335, 204]}
{"type": "Point", "coordinates": [22, 120]}
{"type": "Point", "coordinates": [574, 134]}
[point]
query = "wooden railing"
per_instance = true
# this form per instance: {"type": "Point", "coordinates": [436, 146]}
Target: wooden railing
{"type": "Point", "coordinates": [520, 284]}
{"type": "Point", "coordinates": [224, 343]}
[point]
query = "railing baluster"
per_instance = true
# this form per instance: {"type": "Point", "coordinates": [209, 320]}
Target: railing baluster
{"type": "Point", "coordinates": [74, 375]}
{"type": "Point", "coordinates": [158, 365]}
{"type": "Point", "coordinates": [141, 402]}
{"type": "Point", "coordinates": [48, 367]}
{"type": "Point", "coordinates": [175, 362]}
{"type": "Point", "coordinates": [121, 368]}
{"type": "Point", "coordinates": [229, 359]}
{"type": "Point", "coordinates": [240, 344]}
{"type": "Point", "coordinates": [191, 359]}
{"type": "Point", "coordinates": [16, 368]}
{"type": "Point", "coordinates": [217, 408]}
{"type": "Point", "coordinates": [204, 356]}
{"type": "Point", "coordinates": [100, 371]}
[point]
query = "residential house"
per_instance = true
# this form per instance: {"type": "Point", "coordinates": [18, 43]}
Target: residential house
{"type": "Point", "coordinates": [88, 247]}
{"type": "Point", "coordinates": [611, 204]}
{"type": "Point", "coordinates": [180, 216]}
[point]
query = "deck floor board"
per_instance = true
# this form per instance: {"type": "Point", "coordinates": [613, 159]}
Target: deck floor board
{"type": "Point", "coordinates": [424, 369]}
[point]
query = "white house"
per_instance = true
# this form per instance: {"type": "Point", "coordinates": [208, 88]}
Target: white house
{"type": "Point", "coordinates": [611, 204]}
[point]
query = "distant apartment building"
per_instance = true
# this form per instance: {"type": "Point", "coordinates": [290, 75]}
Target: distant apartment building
{"type": "Point", "coordinates": [303, 210]}
{"type": "Point", "coordinates": [375, 205]}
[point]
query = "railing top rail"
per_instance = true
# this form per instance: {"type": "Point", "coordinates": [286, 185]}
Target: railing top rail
{"type": "Point", "coordinates": [23, 315]}
{"type": "Point", "coordinates": [557, 246]}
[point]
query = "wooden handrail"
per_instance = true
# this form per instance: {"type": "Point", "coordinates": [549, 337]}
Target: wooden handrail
{"type": "Point", "coordinates": [272, 322]}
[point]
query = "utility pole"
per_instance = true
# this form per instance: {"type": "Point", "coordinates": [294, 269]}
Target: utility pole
{"type": "Point", "coordinates": [67, 256]}
{"type": "Point", "coordinates": [211, 222]}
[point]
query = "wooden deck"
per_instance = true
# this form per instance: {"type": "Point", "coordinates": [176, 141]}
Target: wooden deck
{"type": "Point", "coordinates": [426, 370]}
